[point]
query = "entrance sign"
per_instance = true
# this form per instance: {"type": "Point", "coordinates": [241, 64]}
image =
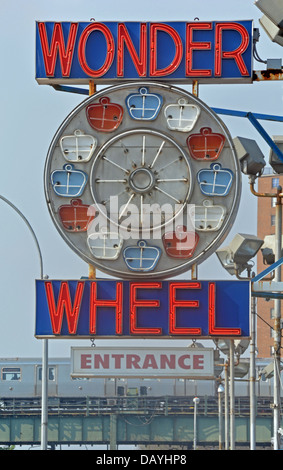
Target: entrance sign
{"type": "Point", "coordinates": [161, 309]}
{"type": "Point", "coordinates": [142, 362]}
{"type": "Point", "coordinates": [210, 51]}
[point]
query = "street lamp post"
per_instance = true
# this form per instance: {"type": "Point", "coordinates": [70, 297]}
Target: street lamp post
{"type": "Point", "coordinates": [277, 310]}
{"type": "Point", "coordinates": [44, 404]}
{"type": "Point", "coordinates": [232, 395]}
{"type": "Point", "coordinates": [253, 376]}
{"type": "Point", "coordinates": [277, 323]}
{"type": "Point", "coordinates": [226, 404]}
{"type": "Point", "coordinates": [235, 259]}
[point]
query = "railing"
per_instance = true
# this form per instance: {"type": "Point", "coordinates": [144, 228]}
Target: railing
{"type": "Point", "coordinates": [166, 405]}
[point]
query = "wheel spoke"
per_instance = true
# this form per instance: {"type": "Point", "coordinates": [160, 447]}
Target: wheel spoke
{"type": "Point", "coordinates": [167, 194]}
{"type": "Point", "coordinates": [169, 164]}
{"type": "Point", "coordinates": [172, 180]}
{"type": "Point", "coordinates": [126, 206]}
{"type": "Point", "coordinates": [115, 164]}
{"type": "Point", "coordinates": [110, 181]}
{"type": "Point", "coordinates": [143, 150]}
{"type": "Point", "coordinates": [157, 154]}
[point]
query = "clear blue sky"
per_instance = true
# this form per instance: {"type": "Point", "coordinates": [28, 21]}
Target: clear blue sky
{"type": "Point", "coordinates": [30, 115]}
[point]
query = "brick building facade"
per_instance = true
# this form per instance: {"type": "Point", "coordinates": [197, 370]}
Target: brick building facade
{"type": "Point", "coordinates": [265, 226]}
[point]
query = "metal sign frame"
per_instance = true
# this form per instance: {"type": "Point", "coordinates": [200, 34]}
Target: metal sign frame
{"type": "Point", "coordinates": [160, 309]}
{"type": "Point", "coordinates": [210, 52]}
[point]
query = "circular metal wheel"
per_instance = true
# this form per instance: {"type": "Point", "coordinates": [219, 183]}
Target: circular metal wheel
{"type": "Point", "coordinates": [141, 162]}
{"type": "Point", "coordinates": [142, 180]}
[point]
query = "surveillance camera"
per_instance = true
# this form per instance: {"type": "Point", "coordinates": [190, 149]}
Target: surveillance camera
{"type": "Point", "coordinates": [250, 156]}
{"type": "Point", "coordinates": [274, 33]}
{"type": "Point", "coordinates": [268, 256]}
{"type": "Point", "coordinates": [273, 9]}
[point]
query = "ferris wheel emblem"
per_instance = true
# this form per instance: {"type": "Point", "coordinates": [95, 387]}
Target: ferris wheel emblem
{"type": "Point", "coordinates": [131, 179]}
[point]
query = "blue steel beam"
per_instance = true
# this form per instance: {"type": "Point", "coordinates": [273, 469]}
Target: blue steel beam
{"type": "Point", "coordinates": [268, 270]}
{"type": "Point", "coordinates": [244, 114]}
{"type": "Point", "coordinates": [268, 295]}
{"type": "Point", "coordinates": [71, 89]}
{"type": "Point", "coordinates": [265, 135]}
{"type": "Point", "coordinates": [253, 118]}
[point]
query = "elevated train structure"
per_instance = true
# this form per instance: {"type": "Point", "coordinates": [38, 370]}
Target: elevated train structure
{"type": "Point", "coordinates": [21, 383]}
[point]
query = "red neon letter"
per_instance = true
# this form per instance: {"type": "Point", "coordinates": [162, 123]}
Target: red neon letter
{"type": "Point", "coordinates": [110, 49]}
{"type": "Point", "coordinates": [135, 303]}
{"type": "Point", "coordinates": [139, 62]}
{"type": "Point", "coordinates": [57, 45]}
{"type": "Point", "coordinates": [154, 27]}
{"type": "Point", "coordinates": [64, 303]}
{"type": "Point", "coordinates": [174, 303]}
{"type": "Point", "coordinates": [191, 46]}
{"type": "Point", "coordinates": [236, 54]}
{"type": "Point", "coordinates": [214, 330]}
{"type": "Point", "coordinates": [94, 303]}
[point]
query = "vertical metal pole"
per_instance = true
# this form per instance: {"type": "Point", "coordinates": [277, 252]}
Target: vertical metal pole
{"type": "Point", "coordinates": [226, 406]}
{"type": "Point", "coordinates": [220, 393]}
{"type": "Point", "coordinates": [277, 325]}
{"type": "Point", "coordinates": [196, 401]}
{"type": "Point", "coordinates": [194, 276]}
{"type": "Point", "coordinates": [252, 376]}
{"type": "Point", "coordinates": [194, 272]}
{"type": "Point", "coordinates": [195, 426]}
{"type": "Point", "coordinates": [195, 89]}
{"type": "Point", "coordinates": [113, 431]}
{"type": "Point", "coordinates": [220, 421]}
{"type": "Point", "coordinates": [232, 396]}
{"type": "Point", "coordinates": [44, 395]}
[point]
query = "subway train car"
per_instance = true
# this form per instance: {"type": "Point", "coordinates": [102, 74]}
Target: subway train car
{"type": "Point", "coordinates": [22, 378]}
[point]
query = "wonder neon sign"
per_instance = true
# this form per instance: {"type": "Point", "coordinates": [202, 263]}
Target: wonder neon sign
{"type": "Point", "coordinates": [107, 308]}
{"type": "Point", "coordinates": [176, 51]}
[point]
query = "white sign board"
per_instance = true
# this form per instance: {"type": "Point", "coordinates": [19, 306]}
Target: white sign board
{"type": "Point", "coordinates": [142, 362]}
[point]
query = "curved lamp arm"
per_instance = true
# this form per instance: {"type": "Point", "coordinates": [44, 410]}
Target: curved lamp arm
{"type": "Point", "coordinates": [31, 230]}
